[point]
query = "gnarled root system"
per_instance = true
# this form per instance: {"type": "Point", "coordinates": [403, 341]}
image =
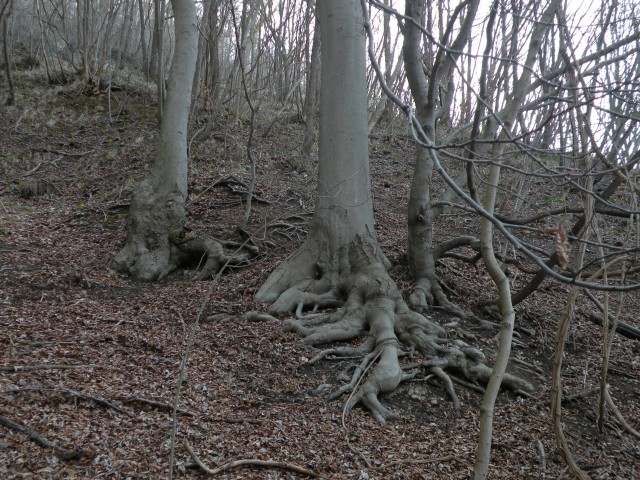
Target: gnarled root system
{"type": "Point", "coordinates": [369, 307]}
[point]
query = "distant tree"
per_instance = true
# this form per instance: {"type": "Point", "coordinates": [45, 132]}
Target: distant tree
{"type": "Point", "coordinates": [5, 11]}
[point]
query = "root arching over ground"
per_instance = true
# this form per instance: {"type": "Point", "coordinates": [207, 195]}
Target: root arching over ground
{"type": "Point", "coordinates": [354, 279]}
{"type": "Point", "coordinates": [158, 245]}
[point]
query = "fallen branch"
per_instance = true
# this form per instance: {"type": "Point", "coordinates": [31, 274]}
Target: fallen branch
{"type": "Point", "coordinates": [248, 462]}
{"type": "Point", "coordinates": [62, 453]}
{"type": "Point", "coordinates": [99, 401]}
{"type": "Point", "coordinates": [447, 458]}
{"type": "Point", "coordinates": [232, 183]}
{"type": "Point", "coordinates": [253, 421]}
{"type": "Point", "coordinates": [622, 328]}
{"type": "Point", "coordinates": [17, 249]}
{"type": "Point", "coordinates": [71, 393]}
{"type": "Point", "coordinates": [154, 403]}
{"type": "Point", "coordinates": [618, 414]}
{"type": "Point", "coordinates": [19, 368]}
{"type": "Point", "coordinates": [33, 170]}
{"type": "Point", "coordinates": [66, 154]}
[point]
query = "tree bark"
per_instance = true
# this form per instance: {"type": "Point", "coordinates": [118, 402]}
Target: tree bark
{"type": "Point", "coordinates": [157, 209]}
{"type": "Point", "coordinates": [340, 264]}
{"type": "Point", "coordinates": [312, 95]}
{"type": "Point", "coordinates": [202, 43]}
{"type": "Point", "coordinates": [143, 40]}
{"type": "Point", "coordinates": [427, 291]}
{"type": "Point", "coordinates": [507, 312]}
{"type": "Point", "coordinates": [4, 15]}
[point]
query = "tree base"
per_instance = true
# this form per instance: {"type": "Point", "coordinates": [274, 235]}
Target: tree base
{"type": "Point", "coordinates": [371, 307]}
{"type": "Point", "coordinates": [156, 245]}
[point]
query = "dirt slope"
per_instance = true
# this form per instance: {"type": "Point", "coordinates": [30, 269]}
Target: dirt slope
{"type": "Point", "coordinates": [85, 353]}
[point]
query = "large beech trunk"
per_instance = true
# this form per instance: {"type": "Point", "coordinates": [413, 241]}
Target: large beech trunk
{"type": "Point", "coordinates": [340, 264]}
{"type": "Point", "coordinates": [343, 206]}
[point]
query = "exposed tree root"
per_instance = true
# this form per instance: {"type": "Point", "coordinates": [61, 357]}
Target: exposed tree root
{"type": "Point", "coordinates": [370, 306]}
{"type": "Point", "coordinates": [248, 462]}
{"type": "Point", "coordinates": [206, 254]}
{"type": "Point", "coordinates": [60, 452]}
{"type": "Point", "coordinates": [156, 245]}
{"type": "Point", "coordinates": [427, 290]}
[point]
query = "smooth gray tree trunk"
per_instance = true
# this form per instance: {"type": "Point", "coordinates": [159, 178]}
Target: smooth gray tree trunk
{"type": "Point", "coordinates": [312, 96]}
{"type": "Point", "coordinates": [157, 209]}
{"type": "Point", "coordinates": [340, 264]}
{"type": "Point", "coordinates": [425, 91]}
{"type": "Point", "coordinates": [343, 206]}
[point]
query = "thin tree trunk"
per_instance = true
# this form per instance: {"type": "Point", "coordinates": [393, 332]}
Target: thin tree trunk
{"type": "Point", "coordinates": [158, 58]}
{"type": "Point", "coordinates": [203, 39]}
{"type": "Point", "coordinates": [143, 41]}
{"type": "Point", "coordinates": [124, 33]}
{"type": "Point", "coordinates": [312, 96]}
{"type": "Point", "coordinates": [427, 289]}
{"type": "Point", "coordinates": [481, 466]}
{"type": "Point", "coordinates": [4, 15]}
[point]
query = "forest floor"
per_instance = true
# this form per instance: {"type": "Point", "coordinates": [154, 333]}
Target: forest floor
{"type": "Point", "coordinates": [91, 360]}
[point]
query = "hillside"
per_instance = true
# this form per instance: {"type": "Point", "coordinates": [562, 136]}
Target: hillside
{"type": "Point", "coordinates": [92, 361]}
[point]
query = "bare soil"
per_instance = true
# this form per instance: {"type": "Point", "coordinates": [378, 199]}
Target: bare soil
{"type": "Point", "coordinates": [84, 352]}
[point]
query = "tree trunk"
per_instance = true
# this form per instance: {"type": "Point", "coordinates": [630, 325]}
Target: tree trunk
{"type": "Point", "coordinates": [157, 209]}
{"type": "Point", "coordinates": [4, 15]}
{"type": "Point", "coordinates": [343, 210]}
{"type": "Point", "coordinates": [212, 74]}
{"type": "Point", "coordinates": [143, 41]}
{"type": "Point", "coordinates": [158, 36]}
{"type": "Point", "coordinates": [124, 34]}
{"type": "Point", "coordinates": [421, 214]}
{"type": "Point", "coordinates": [312, 95]}
{"type": "Point", "coordinates": [202, 47]}
{"type": "Point", "coordinates": [340, 264]}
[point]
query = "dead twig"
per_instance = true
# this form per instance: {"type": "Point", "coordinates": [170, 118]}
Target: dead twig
{"type": "Point", "coordinates": [154, 403]}
{"type": "Point", "coordinates": [34, 169]}
{"type": "Point", "coordinates": [12, 250]}
{"type": "Point", "coordinates": [71, 393]}
{"type": "Point", "coordinates": [618, 414]}
{"type": "Point", "coordinates": [62, 453]}
{"type": "Point", "coordinates": [248, 462]}
{"type": "Point", "coordinates": [447, 458]}
{"type": "Point", "coordinates": [19, 368]}
{"type": "Point", "coordinates": [66, 154]}
{"type": "Point", "coordinates": [97, 400]}
{"type": "Point", "coordinates": [253, 421]}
